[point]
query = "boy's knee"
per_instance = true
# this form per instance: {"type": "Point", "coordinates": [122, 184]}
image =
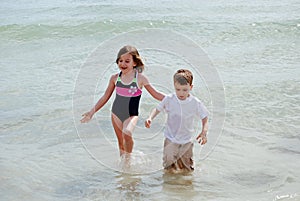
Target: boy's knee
{"type": "Point", "coordinates": [168, 160]}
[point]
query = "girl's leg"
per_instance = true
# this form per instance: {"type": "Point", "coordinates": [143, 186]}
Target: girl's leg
{"type": "Point", "coordinates": [118, 127]}
{"type": "Point", "coordinates": [128, 127]}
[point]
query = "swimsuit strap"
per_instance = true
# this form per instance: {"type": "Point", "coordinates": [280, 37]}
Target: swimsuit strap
{"type": "Point", "coordinates": [119, 77]}
{"type": "Point", "coordinates": [133, 80]}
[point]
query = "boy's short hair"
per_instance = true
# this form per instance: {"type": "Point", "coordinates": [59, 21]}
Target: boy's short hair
{"type": "Point", "coordinates": [183, 77]}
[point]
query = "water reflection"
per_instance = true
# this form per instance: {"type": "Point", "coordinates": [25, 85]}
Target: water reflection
{"type": "Point", "coordinates": [129, 186]}
{"type": "Point", "coordinates": [179, 185]}
{"type": "Point", "coordinates": [178, 178]}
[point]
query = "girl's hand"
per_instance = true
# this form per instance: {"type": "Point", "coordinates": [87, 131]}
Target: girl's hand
{"type": "Point", "coordinates": [86, 117]}
{"type": "Point", "coordinates": [148, 123]}
{"type": "Point", "coordinates": [202, 138]}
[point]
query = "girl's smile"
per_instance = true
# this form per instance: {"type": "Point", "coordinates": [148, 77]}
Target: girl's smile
{"type": "Point", "coordinates": [126, 62]}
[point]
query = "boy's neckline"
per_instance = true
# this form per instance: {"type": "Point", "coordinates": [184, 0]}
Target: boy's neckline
{"type": "Point", "coordinates": [188, 99]}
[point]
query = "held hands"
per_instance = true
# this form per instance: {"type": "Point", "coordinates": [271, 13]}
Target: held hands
{"type": "Point", "coordinates": [87, 117]}
{"type": "Point", "coordinates": [201, 138]}
{"type": "Point", "coordinates": [153, 114]}
{"type": "Point", "coordinates": [148, 123]}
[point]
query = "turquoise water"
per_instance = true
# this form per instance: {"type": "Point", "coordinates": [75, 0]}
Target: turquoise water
{"type": "Point", "coordinates": [44, 47]}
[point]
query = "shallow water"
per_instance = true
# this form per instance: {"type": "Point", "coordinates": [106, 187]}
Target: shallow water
{"type": "Point", "coordinates": [253, 45]}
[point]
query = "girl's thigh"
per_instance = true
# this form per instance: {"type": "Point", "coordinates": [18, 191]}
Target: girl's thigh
{"type": "Point", "coordinates": [129, 124]}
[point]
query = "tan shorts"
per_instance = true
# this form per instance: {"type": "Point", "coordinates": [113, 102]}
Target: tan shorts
{"type": "Point", "coordinates": [178, 156]}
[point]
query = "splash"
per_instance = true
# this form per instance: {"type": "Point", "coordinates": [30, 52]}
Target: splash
{"type": "Point", "coordinates": [138, 163]}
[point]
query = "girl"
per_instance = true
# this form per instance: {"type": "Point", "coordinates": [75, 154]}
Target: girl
{"type": "Point", "coordinates": [128, 84]}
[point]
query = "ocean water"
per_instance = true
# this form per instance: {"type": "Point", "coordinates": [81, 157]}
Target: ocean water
{"type": "Point", "coordinates": [47, 49]}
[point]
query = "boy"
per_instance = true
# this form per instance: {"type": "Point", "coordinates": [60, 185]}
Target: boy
{"type": "Point", "coordinates": [182, 108]}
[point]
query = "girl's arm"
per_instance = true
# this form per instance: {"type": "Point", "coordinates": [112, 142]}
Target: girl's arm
{"type": "Point", "coordinates": [101, 102]}
{"type": "Point", "coordinates": [154, 93]}
{"type": "Point", "coordinates": [202, 135]}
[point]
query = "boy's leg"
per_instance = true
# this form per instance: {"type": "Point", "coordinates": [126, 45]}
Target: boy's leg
{"type": "Point", "coordinates": [169, 154]}
{"type": "Point", "coordinates": [180, 164]}
{"type": "Point", "coordinates": [186, 156]}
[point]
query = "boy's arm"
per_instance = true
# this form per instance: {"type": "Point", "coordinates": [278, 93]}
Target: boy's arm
{"type": "Point", "coordinates": [153, 114]}
{"type": "Point", "coordinates": [203, 133]}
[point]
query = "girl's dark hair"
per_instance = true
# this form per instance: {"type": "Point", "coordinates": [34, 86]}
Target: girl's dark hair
{"type": "Point", "coordinates": [135, 55]}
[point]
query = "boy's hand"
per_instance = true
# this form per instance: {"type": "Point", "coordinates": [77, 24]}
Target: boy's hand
{"type": "Point", "coordinates": [86, 117]}
{"type": "Point", "coordinates": [148, 123]}
{"type": "Point", "coordinates": [201, 138]}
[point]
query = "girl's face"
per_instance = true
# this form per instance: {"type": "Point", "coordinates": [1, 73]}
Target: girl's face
{"type": "Point", "coordinates": [182, 91]}
{"type": "Point", "coordinates": [126, 63]}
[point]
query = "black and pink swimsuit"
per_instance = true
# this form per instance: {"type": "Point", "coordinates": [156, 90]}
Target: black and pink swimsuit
{"type": "Point", "coordinates": [126, 103]}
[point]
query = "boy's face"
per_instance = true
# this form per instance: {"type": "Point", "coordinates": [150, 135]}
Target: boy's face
{"type": "Point", "coordinates": [182, 91]}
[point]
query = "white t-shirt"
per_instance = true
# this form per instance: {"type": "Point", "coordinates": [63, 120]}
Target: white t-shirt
{"type": "Point", "coordinates": [181, 114]}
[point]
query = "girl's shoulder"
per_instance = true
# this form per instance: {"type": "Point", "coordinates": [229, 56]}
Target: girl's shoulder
{"type": "Point", "coordinates": [114, 77]}
{"type": "Point", "coordinates": [140, 75]}
{"type": "Point", "coordinates": [142, 78]}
